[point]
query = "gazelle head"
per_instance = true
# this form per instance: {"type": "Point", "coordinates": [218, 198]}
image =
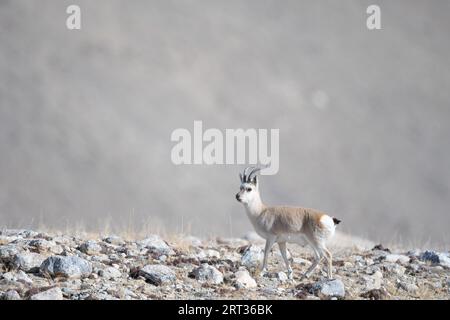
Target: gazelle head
{"type": "Point", "coordinates": [249, 192]}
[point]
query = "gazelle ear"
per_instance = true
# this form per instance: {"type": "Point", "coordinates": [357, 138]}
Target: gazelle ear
{"type": "Point", "coordinates": [255, 181]}
{"type": "Point", "coordinates": [241, 177]}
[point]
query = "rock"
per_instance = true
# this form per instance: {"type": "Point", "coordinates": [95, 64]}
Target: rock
{"type": "Point", "coordinates": [10, 295]}
{"type": "Point", "coordinates": [436, 258]}
{"type": "Point", "coordinates": [252, 256]}
{"type": "Point", "coordinates": [110, 273]}
{"type": "Point", "coordinates": [409, 287]}
{"type": "Point", "coordinates": [380, 247]}
{"type": "Point", "coordinates": [329, 288]}
{"type": "Point", "coordinates": [22, 233]}
{"type": "Point", "coordinates": [69, 267]}
{"type": "Point", "coordinates": [208, 254]}
{"type": "Point", "coordinates": [207, 273]}
{"type": "Point", "coordinates": [8, 252]}
{"type": "Point", "coordinates": [282, 277]}
{"type": "Point", "coordinates": [157, 274]}
{"type": "Point", "coordinates": [156, 245]}
{"type": "Point", "coordinates": [430, 256]}
{"type": "Point", "coordinates": [373, 282]}
{"type": "Point", "coordinates": [375, 294]}
{"type": "Point", "coordinates": [27, 261]}
{"type": "Point", "coordinates": [114, 240]}
{"type": "Point", "coordinates": [244, 280]}
{"type": "Point", "coordinates": [42, 246]}
{"type": "Point", "coordinates": [90, 247]}
{"type": "Point", "coordinates": [397, 258]}
{"type": "Point", "coordinates": [17, 276]}
{"type": "Point", "coordinates": [50, 294]}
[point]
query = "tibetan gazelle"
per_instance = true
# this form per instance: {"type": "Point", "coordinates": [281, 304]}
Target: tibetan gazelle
{"type": "Point", "coordinates": [286, 224]}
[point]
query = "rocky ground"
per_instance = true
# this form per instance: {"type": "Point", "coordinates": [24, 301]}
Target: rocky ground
{"type": "Point", "coordinates": [41, 266]}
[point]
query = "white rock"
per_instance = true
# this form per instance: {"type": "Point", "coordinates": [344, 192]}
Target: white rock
{"type": "Point", "coordinates": [10, 295]}
{"type": "Point", "coordinates": [397, 258]}
{"type": "Point", "coordinates": [17, 276]}
{"type": "Point", "coordinates": [330, 288]}
{"type": "Point", "coordinates": [158, 274]}
{"type": "Point", "coordinates": [282, 276]}
{"type": "Point", "coordinates": [90, 247]}
{"type": "Point", "coordinates": [27, 260]}
{"type": "Point", "coordinates": [156, 245]}
{"type": "Point", "coordinates": [207, 273]}
{"type": "Point", "coordinates": [51, 294]}
{"type": "Point", "coordinates": [110, 273]}
{"type": "Point", "coordinates": [244, 280]}
{"type": "Point", "coordinates": [252, 256]}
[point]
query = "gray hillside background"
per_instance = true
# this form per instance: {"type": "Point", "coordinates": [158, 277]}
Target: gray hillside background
{"type": "Point", "coordinates": [86, 116]}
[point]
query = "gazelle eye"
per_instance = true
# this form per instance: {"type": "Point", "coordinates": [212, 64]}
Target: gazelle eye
{"type": "Point", "coordinates": [248, 189]}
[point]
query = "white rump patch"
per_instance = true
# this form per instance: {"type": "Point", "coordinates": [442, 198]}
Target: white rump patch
{"type": "Point", "coordinates": [328, 223]}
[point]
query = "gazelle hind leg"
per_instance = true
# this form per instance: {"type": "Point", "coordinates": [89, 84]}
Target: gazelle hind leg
{"type": "Point", "coordinates": [329, 258]}
{"type": "Point", "coordinates": [317, 260]}
{"type": "Point", "coordinates": [282, 246]}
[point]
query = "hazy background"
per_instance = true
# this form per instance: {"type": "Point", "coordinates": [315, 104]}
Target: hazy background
{"type": "Point", "coordinates": [86, 116]}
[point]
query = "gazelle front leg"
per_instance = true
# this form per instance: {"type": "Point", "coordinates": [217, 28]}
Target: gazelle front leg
{"type": "Point", "coordinates": [269, 243]}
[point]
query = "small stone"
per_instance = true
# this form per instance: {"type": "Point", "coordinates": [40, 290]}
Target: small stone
{"type": "Point", "coordinates": [397, 258]}
{"type": "Point", "coordinates": [51, 294]}
{"type": "Point", "coordinates": [252, 256]}
{"type": "Point", "coordinates": [17, 276]}
{"type": "Point", "coordinates": [373, 282]}
{"type": "Point", "coordinates": [10, 295]}
{"type": "Point", "coordinates": [409, 287]}
{"type": "Point", "coordinates": [244, 280]}
{"type": "Point", "coordinates": [69, 267]}
{"type": "Point", "coordinates": [330, 288]}
{"type": "Point", "coordinates": [375, 294]}
{"type": "Point", "coordinates": [158, 274]}
{"type": "Point", "coordinates": [156, 245]}
{"type": "Point", "coordinates": [110, 273]}
{"type": "Point", "coordinates": [90, 247]}
{"type": "Point", "coordinates": [282, 276]}
{"type": "Point", "coordinates": [207, 273]}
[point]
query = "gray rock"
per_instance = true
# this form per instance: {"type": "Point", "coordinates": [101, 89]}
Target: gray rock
{"type": "Point", "coordinates": [409, 287]}
{"type": "Point", "coordinates": [158, 274]}
{"type": "Point", "coordinates": [50, 294]}
{"type": "Point", "coordinates": [156, 245]}
{"type": "Point", "coordinates": [373, 281]}
{"type": "Point", "coordinates": [22, 233]}
{"type": "Point", "coordinates": [27, 261]}
{"type": "Point", "coordinates": [110, 273]}
{"type": "Point", "coordinates": [244, 280]}
{"type": "Point", "coordinates": [207, 254]}
{"type": "Point", "coordinates": [90, 247]}
{"type": "Point", "coordinates": [8, 252]}
{"type": "Point", "coordinates": [207, 273]}
{"type": "Point", "coordinates": [10, 295]}
{"type": "Point", "coordinates": [17, 276]}
{"type": "Point", "coordinates": [436, 258]}
{"type": "Point", "coordinates": [330, 288]}
{"type": "Point", "coordinates": [69, 267]}
{"type": "Point", "coordinates": [252, 256]}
